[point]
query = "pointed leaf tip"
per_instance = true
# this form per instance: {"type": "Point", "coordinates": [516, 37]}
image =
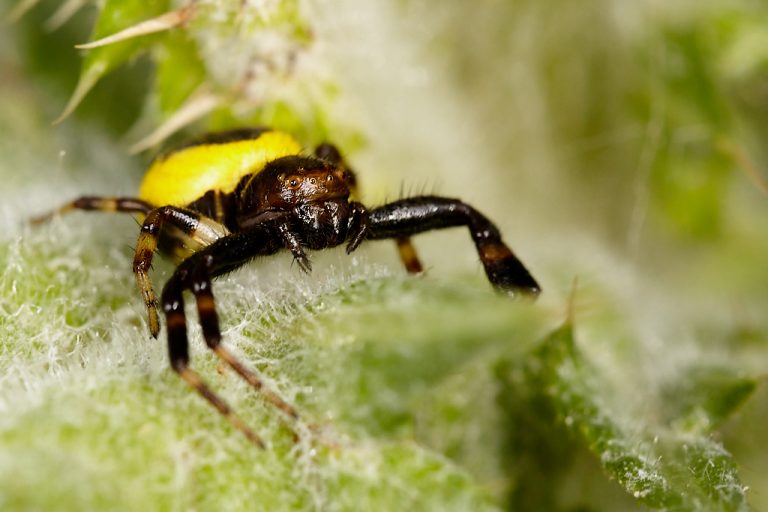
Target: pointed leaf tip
{"type": "Point", "coordinates": [163, 22]}
{"type": "Point", "coordinates": [87, 80]}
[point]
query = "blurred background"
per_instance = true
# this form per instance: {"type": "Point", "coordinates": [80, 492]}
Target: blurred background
{"type": "Point", "coordinates": [619, 145]}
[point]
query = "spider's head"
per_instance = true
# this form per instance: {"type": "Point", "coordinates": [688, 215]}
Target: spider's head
{"type": "Point", "coordinates": [292, 181]}
{"type": "Point", "coordinates": [312, 181]}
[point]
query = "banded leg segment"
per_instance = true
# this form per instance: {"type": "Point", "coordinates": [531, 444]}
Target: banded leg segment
{"type": "Point", "coordinates": [405, 247]}
{"type": "Point", "coordinates": [195, 274]}
{"type": "Point", "coordinates": [173, 306]}
{"type": "Point", "coordinates": [209, 321]}
{"type": "Point", "coordinates": [197, 228]}
{"type": "Point", "coordinates": [418, 214]}
{"type": "Point", "coordinates": [408, 255]}
{"type": "Point", "coordinates": [96, 203]}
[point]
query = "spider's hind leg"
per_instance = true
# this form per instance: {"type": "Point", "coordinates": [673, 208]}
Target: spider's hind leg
{"type": "Point", "coordinates": [123, 205]}
{"type": "Point", "coordinates": [405, 247]}
{"type": "Point", "coordinates": [97, 203]}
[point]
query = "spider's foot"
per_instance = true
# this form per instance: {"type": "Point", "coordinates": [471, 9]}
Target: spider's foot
{"type": "Point", "coordinates": [255, 381]}
{"type": "Point", "coordinates": [304, 263]}
{"type": "Point", "coordinates": [154, 324]}
{"type": "Point", "coordinates": [194, 380]}
{"type": "Point", "coordinates": [506, 272]}
{"type": "Point", "coordinates": [247, 432]}
{"type": "Point", "coordinates": [281, 404]}
{"type": "Point", "coordinates": [41, 219]}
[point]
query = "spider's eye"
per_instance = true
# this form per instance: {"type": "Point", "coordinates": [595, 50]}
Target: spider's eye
{"type": "Point", "coordinates": [329, 177]}
{"type": "Point", "coordinates": [293, 182]}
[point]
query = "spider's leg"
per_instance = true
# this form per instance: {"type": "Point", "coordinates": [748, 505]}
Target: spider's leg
{"type": "Point", "coordinates": [195, 273]}
{"type": "Point", "coordinates": [102, 204]}
{"type": "Point", "coordinates": [405, 248]}
{"type": "Point", "coordinates": [408, 255]}
{"type": "Point", "coordinates": [178, 351]}
{"type": "Point", "coordinates": [200, 285]}
{"type": "Point", "coordinates": [196, 227]}
{"type": "Point", "coordinates": [418, 214]}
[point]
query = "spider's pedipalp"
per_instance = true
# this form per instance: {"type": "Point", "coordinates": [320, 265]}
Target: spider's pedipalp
{"type": "Point", "coordinates": [358, 226]}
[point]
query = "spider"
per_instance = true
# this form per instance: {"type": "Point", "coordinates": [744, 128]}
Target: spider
{"type": "Point", "coordinates": [216, 203]}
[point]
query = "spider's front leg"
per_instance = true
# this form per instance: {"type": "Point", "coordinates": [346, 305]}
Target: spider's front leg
{"type": "Point", "coordinates": [195, 274]}
{"type": "Point", "coordinates": [408, 217]}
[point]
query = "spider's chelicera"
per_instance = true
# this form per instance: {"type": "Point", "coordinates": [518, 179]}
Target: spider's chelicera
{"type": "Point", "coordinates": [229, 197]}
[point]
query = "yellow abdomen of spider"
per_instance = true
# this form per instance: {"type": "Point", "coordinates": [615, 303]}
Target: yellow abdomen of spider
{"type": "Point", "coordinates": [185, 175]}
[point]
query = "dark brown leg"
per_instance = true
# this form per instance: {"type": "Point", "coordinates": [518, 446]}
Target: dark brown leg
{"type": "Point", "coordinates": [195, 274]}
{"type": "Point", "coordinates": [418, 214]}
{"type": "Point", "coordinates": [405, 247]}
{"type": "Point", "coordinates": [209, 321]}
{"type": "Point", "coordinates": [176, 323]}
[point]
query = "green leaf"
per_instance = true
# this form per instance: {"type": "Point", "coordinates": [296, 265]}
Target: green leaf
{"type": "Point", "coordinates": [703, 397]}
{"type": "Point", "coordinates": [663, 468]}
{"type": "Point", "coordinates": [358, 356]}
{"type": "Point", "coordinates": [114, 16]}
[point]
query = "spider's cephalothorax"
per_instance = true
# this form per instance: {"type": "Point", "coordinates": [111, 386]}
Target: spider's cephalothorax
{"type": "Point", "coordinates": [218, 202]}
